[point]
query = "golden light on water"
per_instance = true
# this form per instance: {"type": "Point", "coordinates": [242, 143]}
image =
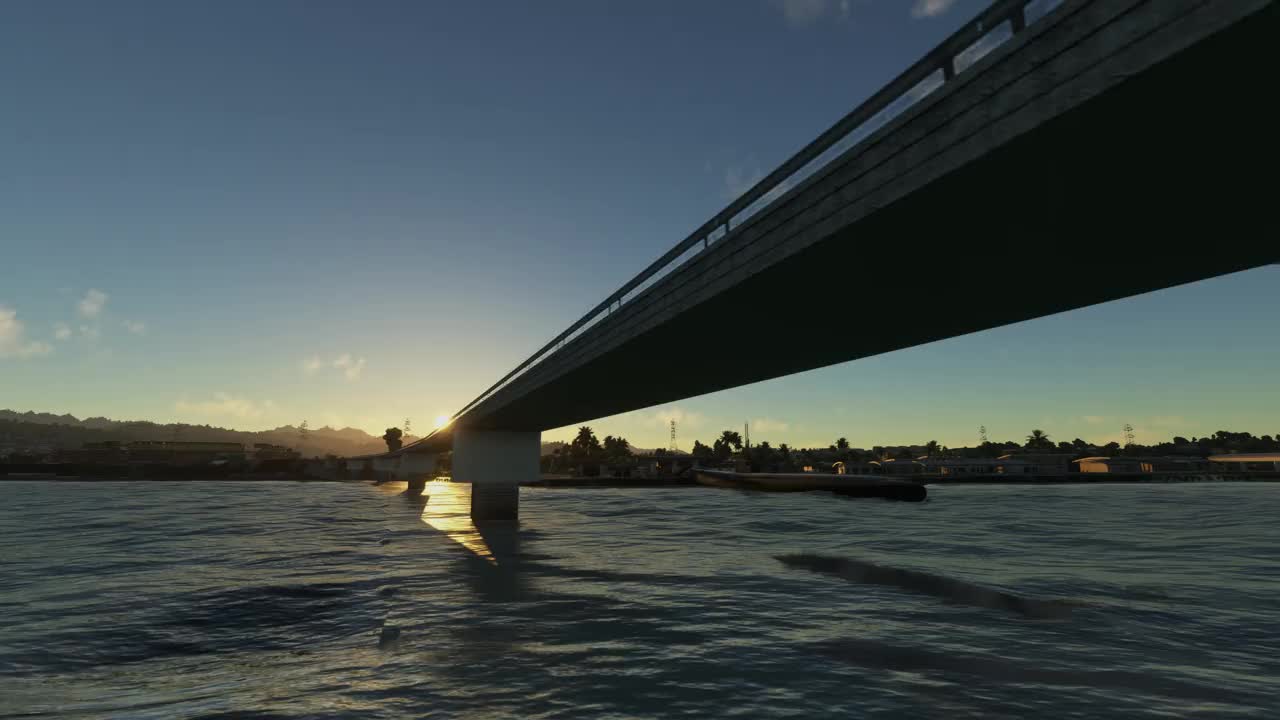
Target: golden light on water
{"type": "Point", "coordinates": [448, 510]}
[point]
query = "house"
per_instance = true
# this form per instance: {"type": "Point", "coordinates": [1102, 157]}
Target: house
{"type": "Point", "coordinates": [1246, 462]}
{"type": "Point", "coordinates": [1141, 464]}
{"type": "Point", "coordinates": [897, 467]}
{"type": "Point", "coordinates": [960, 466]}
{"type": "Point", "coordinates": [1035, 463]}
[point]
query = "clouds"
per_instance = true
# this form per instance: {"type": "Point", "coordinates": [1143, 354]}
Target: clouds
{"type": "Point", "coordinates": [931, 8]}
{"type": "Point", "coordinates": [768, 425]}
{"type": "Point", "coordinates": [90, 306]}
{"type": "Point", "coordinates": [662, 418]}
{"type": "Point", "coordinates": [807, 12]}
{"type": "Point", "coordinates": [225, 405]}
{"type": "Point", "coordinates": [61, 331]}
{"type": "Point", "coordinates": [13, 340]}
{"type": "Point", "coordinates": [135, 327]}
{"type": "Point", "coordinates": [350, 366]}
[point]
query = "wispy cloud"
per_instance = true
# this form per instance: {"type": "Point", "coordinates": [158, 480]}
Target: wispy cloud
{"type": "Point", "coordinates": [225, 405]}
{"type": "Point", "coordinates": [351, 367]}
{"type": "Point", "coordinates": [91, 304]}
{"type": "Point", "coordinates": [136, 327]}
{"type": "Point", "coordinates": [768, 425]}
{"type": "Point", "coordinates": [662, 417]}
{"type": "Point", "coordinates": [90, 332]}
{"type": "Point", "coordinates": [13, 339]}
{"type": "Point", "coordinates": [931, 8]}
{"type": "Point", "coordinates": [61, 331]}
{"type": "Point", "coordinates": [807, 12]}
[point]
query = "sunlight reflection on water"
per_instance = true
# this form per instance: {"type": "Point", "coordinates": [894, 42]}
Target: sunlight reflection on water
{"type": "Point", "coordinates": [217, 600]}
{"type": "Point", "coordinates": [448, 510]}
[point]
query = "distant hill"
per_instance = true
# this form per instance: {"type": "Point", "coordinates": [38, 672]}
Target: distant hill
{"type": "Point", "coordinates": [30, 430]}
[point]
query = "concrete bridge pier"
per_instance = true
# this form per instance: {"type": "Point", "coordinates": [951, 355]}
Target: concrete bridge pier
{"type": "Point", "coordinates": [415, 466]}
{"type": "Point", "coordinates": [495, 462]}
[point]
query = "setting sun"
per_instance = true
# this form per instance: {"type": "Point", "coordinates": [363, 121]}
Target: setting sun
{"type": "Point", "coordinates": [441, 421]}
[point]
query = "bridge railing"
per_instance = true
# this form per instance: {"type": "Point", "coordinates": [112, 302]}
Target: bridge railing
{"type": "Point", "coordinates": [992, 27]}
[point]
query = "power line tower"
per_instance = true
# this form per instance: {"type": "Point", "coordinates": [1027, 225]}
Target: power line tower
{"type": "Point", "coordinates": [673, 447]}
{"type": "Point", "coordinates": [982, 434]}
{"type": "Point", "coordinates": [1128, 435]}
{"type": "Point", "coordinates": [406, 426]}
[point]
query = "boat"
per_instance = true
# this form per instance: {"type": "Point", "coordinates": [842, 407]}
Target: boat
{"type": "Point", "coordinates": [848, 485]}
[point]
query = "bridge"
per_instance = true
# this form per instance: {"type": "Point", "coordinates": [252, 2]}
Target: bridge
{"type": "Point", "coordinates": [1045, 157]}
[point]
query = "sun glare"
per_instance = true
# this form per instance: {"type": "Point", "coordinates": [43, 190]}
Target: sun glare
{"type": "Point", "coordinates": [441, 421]}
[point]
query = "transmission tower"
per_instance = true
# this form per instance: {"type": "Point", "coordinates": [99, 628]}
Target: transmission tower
{"type": "Point", "coordinates": [982, 434]}
{"type": "Point", "coordinates": [1128, 434]}
{"type": "Point", "coordinates": [673, 447]}
{"type": "Point", "coordinates": [406, 426]}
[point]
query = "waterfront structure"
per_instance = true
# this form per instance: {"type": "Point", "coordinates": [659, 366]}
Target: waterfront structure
{"type": "Point", "coordinates": [1034, 463]}
{"type": "Point", "coordinates": [905, 466]}
{"type": "Point", "coordinates": [1246, 462]}
{"type": "Point", "coordinates": [1098, 127]}
{"type": "Point", "coordinates": [1141, 465]}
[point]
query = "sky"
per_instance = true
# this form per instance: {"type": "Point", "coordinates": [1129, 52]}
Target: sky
{"type": "Point", "coordinates": [252, 214]}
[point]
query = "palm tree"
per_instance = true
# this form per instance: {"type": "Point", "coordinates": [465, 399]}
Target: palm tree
{"type": "Point", "coordinates": [732, 439]}
{"type": "Point", "coordinates": [1038, 440]}
{"type": "Point", "coordinates": [931, 448]}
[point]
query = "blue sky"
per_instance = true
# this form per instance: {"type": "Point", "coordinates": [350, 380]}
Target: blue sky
{"type": "Point", "coordinates": [249, 214]}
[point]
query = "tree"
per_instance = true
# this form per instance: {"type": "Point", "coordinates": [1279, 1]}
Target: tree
{"type": "Point", "coordinates": [1038, 440]}
{"type": "Point", "coordinates": [842, 444]}
{"type": "Point", "coordinates": [784, 456]}
{"type": "Point", "coordinates": [585, 447]}
{"type": "Point", "coordinates": [702, 453]}
{"type": "Point", "coordinates": [392, 438]}
{"type": "Point", "coordinates": [931, 448]}
{"type": "Point", "coordinates": [732, 438]}
{"type": "Point", "coordinates": [616, 450]}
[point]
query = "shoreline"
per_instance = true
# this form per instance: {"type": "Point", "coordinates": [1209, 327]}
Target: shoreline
{"type": "Point", "coordinates": [678, 481]}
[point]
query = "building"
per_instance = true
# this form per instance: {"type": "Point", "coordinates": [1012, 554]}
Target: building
{"type": "Point", "coordinates": [1245, 462]}
{"type": "Point", "coordinates": [960, 466]}
{"type": "Point", "coordinates": [1107, 465]}
{"type": "Point", "coordinates": [897, 467]}
{"type": "Point", "coordinates": [183, 452]}
{"type": "Point", "coordinates": [1139, 465]}
{"type": "Point", "coordinates": [1036, 463]}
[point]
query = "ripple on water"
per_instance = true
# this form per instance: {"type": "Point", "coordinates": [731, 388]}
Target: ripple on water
{"type": "Point", "coordinates": [212, 600]}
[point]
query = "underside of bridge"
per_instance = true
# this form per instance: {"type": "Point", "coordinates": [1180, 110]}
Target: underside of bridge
{"type": "Point", "coordinates": [1123, 147]}
{"type": "Point", "coordinates": [1165, 179]}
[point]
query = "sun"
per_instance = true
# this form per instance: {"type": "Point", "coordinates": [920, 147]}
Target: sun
{"type": "Point", "coordinates": [441, 421]}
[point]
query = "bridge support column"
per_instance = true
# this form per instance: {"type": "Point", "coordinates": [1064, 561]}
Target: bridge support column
{"type": "Point", "coordinates": [495, 463]}
{"type": "Point", "coordinates": [416, 465]}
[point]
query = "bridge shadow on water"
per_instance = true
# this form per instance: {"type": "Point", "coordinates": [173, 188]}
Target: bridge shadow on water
{"type": "Point", "coordinates": [493, 563]}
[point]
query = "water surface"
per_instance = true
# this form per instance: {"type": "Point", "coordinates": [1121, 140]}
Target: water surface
{"type": "Point", "coordinates": [290, 600]}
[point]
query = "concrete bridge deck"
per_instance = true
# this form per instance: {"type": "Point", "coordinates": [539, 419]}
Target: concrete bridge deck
{"type": "Point", "coordinates": [1075, 163]}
